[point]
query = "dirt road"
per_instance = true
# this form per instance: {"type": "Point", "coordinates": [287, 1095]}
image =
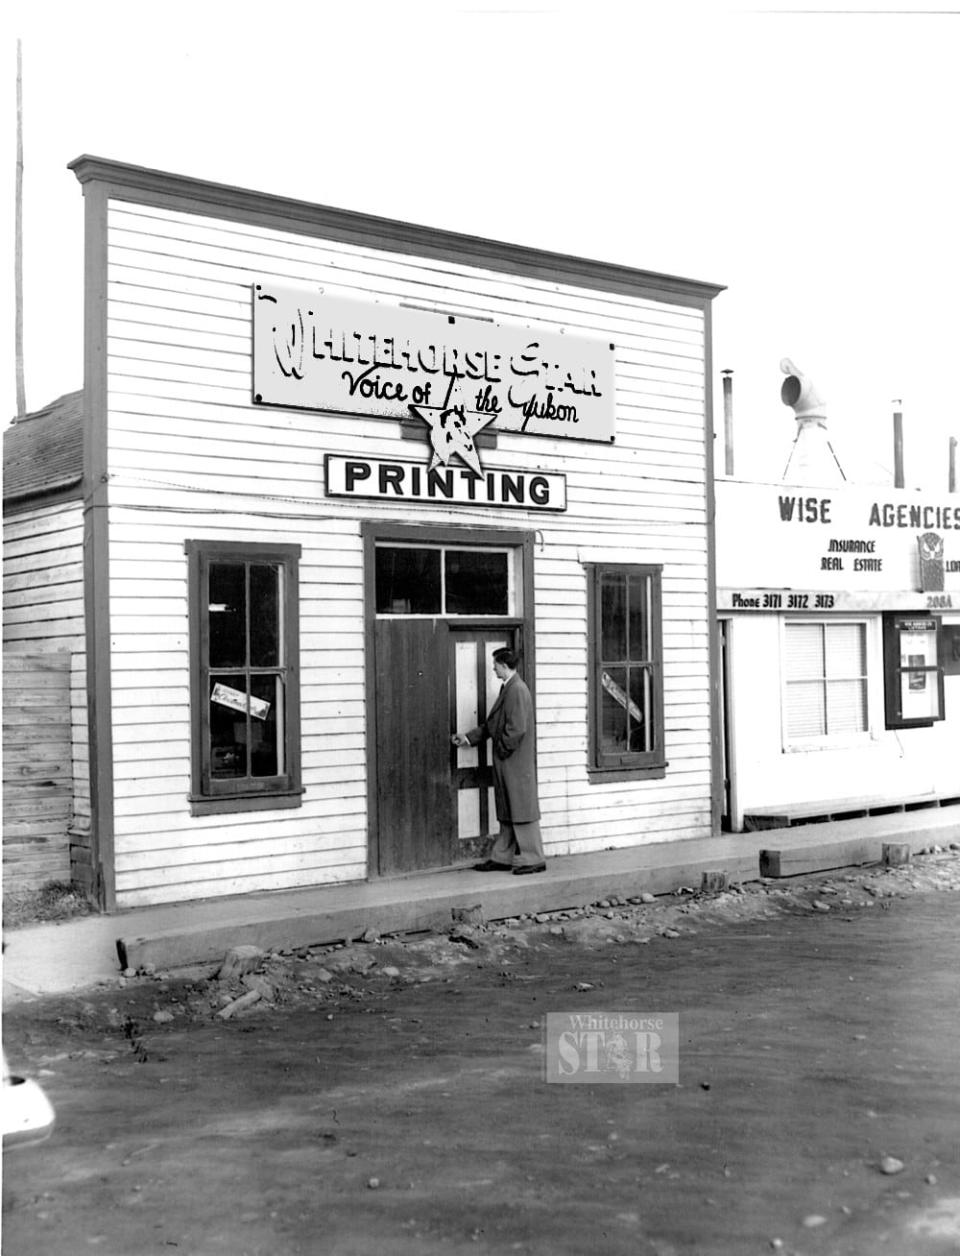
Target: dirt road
{"type": "Point", "coordinates": [389, 1097]}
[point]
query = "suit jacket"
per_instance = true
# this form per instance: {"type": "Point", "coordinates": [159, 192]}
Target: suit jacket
{"type": "Point", "coordinates": [511, 727]}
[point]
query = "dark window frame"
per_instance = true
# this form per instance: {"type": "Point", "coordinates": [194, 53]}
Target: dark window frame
{"type": "Point", "coordinates": [444, 551]}
{"type": "Point", "coordinates": [635, 765]}
{"type": "Point", "coordinates": [893, 669]}
{"type": "Point", "coordinates": [245, 794]}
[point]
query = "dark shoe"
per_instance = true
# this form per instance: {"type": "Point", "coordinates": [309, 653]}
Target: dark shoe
{"type": "Point", "coordinates": [522, 870]}
{"type": "Point", "coordinates": [489, 866]}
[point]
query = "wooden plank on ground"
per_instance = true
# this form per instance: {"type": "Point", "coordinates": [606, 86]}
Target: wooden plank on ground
{"type": "Point", "coordinates": [793, 861]}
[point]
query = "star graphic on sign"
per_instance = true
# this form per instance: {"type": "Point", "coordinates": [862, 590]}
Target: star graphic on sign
{"type": "Point", "coordinates": [452, 429]}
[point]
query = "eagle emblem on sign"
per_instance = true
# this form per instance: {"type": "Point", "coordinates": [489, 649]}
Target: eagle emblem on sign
{"type": "Point", "coordinates": [452, 429]}
{"type": "Point", "coordinates": [931, 562]}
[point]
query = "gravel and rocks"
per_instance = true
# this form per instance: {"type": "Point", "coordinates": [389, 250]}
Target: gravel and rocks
{"type": "Point", "coordinates": [250, 982]}
{"type": "Point", "coordinates": [815, 1115]}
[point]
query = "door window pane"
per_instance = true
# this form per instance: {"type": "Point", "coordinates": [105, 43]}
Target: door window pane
{"type": "Point", "coordinates": [437, 580]}
{"type": "Point", "coordinates": [407, 581]}
{"type": "Point", "coordinates": [477, 582]}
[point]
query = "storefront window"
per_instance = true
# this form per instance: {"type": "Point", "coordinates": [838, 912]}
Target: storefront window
{"type": "Point", "coordinates": [422, 580]}
{"type": "Point", "coordinates": [244, 664]}
{"type": "Point", "coordinates": [626, 703]}
{"type": "Point", "coordinates": [825, 691]}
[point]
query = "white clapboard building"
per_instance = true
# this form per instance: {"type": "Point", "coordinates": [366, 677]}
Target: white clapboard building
{"type": "Point", "coordinates": [839, 607]}
{"type": "Point", "coordinates": [331, 462]}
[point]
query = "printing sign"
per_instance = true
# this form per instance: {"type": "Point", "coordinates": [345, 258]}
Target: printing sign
{"type": "Point", "coordinates": [314, 351]}
{"type": "Point", "coordinates": [407, 482]}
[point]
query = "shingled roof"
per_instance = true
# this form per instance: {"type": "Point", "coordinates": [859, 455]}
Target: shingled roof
{"type": "Point", "coordinates": [43, 451]}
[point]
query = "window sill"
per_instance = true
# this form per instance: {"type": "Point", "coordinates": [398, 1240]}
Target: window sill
{"type": "Point", "coordinates": [599, 776]}
{"type": "Point", "coordinates": [899, 725]}
{"type": "Point", "coordinates": [815, 744]}
{"type": "Point", "coordinates": [224, 803]}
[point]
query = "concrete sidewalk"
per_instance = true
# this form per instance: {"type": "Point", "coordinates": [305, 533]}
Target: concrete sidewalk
{"type": "Point", "coordinates": [79, 954]}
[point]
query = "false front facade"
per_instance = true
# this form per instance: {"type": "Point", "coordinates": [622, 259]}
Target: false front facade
{"type": "Point", "coordinates": [332, 463]}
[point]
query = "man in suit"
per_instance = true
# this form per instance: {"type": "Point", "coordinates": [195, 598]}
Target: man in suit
{"type": "Point", "coordinates": [511, 728]}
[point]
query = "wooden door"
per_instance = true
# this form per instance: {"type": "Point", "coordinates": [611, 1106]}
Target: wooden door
{"type": "Point", "coordinates": [474, 690]}
{"type": "Point", "coordinates": [416, 819]}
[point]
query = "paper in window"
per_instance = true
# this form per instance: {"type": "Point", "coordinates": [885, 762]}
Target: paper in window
{"type": "Point", "coordinates": [239, 701]}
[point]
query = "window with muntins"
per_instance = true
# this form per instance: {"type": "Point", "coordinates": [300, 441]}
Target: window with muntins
{"type": "Point", "coordinates": [244, 675]}
{"type": "Point", "coordinates": [626, 670]}
{"type": "Point", "coordinates": [444, 580]}
{"type": "Point", "coordinates": [825, 681]}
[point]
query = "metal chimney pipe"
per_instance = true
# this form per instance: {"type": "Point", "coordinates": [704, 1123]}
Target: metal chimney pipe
{"type": "Point", "coordinates": [952, 475]}
{"type": "Point", "coordinates": [898, 480]}
{"type": "Point", "coordinates": [728, 421]}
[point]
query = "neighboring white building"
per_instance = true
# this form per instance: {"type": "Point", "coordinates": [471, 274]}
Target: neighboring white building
{"type": "Point", "coordinates": [331, 463]}
{"type": "Point", "coordinates": [839, 612]}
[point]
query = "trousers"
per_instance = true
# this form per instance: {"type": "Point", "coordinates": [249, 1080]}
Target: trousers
{"type": "Point", "coordinates": [518, 844]}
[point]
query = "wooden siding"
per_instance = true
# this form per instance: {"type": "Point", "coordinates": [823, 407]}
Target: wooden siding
{"type": "Point", "coordinates": [43, 613]}
{"type": "Point", "coordinates": [43, 579]}
{"type": "Point", "coordinates": [190, 457]}
{"type": "Point", "coordinates": [80, 824]}
{"type": "Point", "coordinates": [37, 770]}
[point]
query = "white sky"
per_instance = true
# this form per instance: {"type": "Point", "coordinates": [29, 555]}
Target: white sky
{"type": "Point", "coordinates": [808, 160]}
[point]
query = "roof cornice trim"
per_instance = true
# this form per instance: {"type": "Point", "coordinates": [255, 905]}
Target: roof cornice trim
{"type": "Point", "coordinates": [191, 195]}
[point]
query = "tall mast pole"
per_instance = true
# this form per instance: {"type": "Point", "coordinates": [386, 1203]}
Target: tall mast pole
{"type": "Point", "coordinates": [18, 246]}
